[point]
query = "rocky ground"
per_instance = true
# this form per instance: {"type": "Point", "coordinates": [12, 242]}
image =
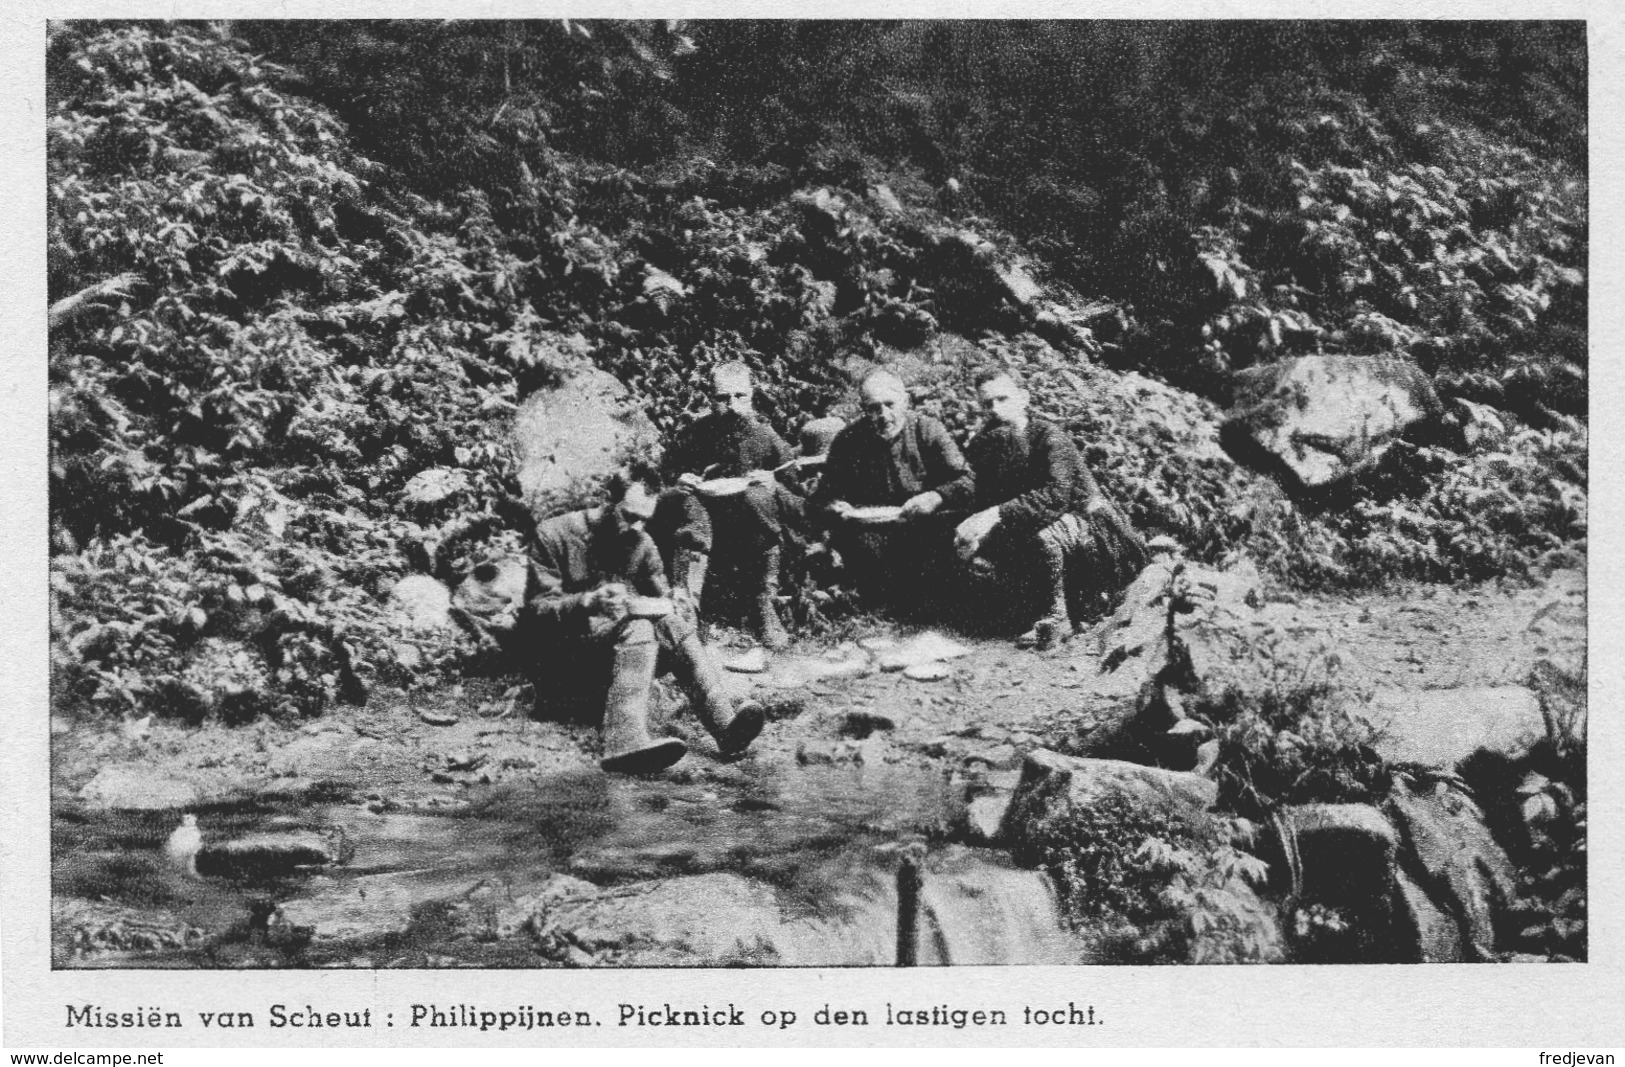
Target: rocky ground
{"type": "Point", "coordinates": [1446, 670]}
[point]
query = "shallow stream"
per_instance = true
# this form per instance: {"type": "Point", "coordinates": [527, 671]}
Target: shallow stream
{"type": "Point", "coordinates": [778, 865]}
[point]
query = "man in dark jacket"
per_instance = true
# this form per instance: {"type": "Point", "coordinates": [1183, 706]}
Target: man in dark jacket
{"type": "Point", "coordinates": [892, 457]}
{"type": "Point", "coordinates": [584, 619]}
{"type": "Point", "coordinates": [1037, 504]}
{"type": "Point", "coordinates": [748, 528]}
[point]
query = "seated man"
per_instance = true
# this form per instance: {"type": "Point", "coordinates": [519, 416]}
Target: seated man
{"type": "Point", "coordinates": [582, 620]}
{"type": "Point", "coordinates": [748, 529]}
{"type": "Point", "coordinates": [892, 457]}
{"type": "Point", "coordinates": [1038, 506]}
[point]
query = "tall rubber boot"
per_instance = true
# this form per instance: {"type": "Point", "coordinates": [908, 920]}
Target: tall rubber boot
{"type": "Point", "coordinates": [628, 748]}
{"type": "Point", "coordinates": [765, 611]}
{"type": "Point", "coordinates": [733, 728]}
{"type": "Point", "coordinates": [1056, 624]}
{"type": "Point", "coordinates": [688, 568]}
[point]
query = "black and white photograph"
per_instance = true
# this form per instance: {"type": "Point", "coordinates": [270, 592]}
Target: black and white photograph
{"type": "Point", "coordinates": [694, 497]}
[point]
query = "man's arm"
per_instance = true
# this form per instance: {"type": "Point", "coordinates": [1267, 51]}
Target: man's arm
{"type": "Point", "coordinates": [550, 603]}
{"type": "Point", "coordinates": [946, 471]}
{"type": "Point", "coordinates": [836, 481]}
{"type": "Point", "coordinates": [1056, 466]}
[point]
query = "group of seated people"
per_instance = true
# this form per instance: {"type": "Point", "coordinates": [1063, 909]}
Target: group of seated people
{"type": "Point", "coordinates": [618, 591]}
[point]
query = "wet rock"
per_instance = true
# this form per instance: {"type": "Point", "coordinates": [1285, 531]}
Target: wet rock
{"type": "Point", "coordinates": [1346, 852]}
{"type": "Point", "coordinates": [708, 920]}
{"type": "Point", "coordinates": [266, 854]}
{"type": "Point", "coordinates": [137, 788]}
{"type": "Point", "coordinates": [1319, 419]}
{"type": "Point", "coordinates": [1442, 727]}
{"type": "Point", "coordinates": [1457, 862]}
{"type": "Point", "coordinates": [571, 437]}
{"type": "Point", "coordinates": [1427, 934]}
{"type": "Point", "coordinates": [87, 928]}
{"type": "Point", "coordinates": [361, 910]}
{"type": "Point", "coordinates": [1053, 786]}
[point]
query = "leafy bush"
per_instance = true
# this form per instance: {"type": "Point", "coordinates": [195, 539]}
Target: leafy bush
{"type": "Point", "coordinates": [1294, 739]}
{"type": "Point", "coordinates": [1180, 885]}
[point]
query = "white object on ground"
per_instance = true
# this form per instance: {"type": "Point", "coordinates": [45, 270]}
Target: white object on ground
{"type": "Point", "coordinates": [922, 648]}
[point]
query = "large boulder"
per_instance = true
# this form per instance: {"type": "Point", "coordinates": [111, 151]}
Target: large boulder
{"type": "Point", "coordinates": [569, 438]}
{"type": "Point", "coordinates": [709, 920]}
{"type": "Point", "coordinates": [1319, 419]}
{"type": "Point", "coordinates": [1442, 727]}
{"type": "Point", "coordinates": [1054, 788]}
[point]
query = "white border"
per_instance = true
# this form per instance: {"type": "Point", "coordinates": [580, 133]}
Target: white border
{"type": "Point", "coordinates": [1559, 1007]}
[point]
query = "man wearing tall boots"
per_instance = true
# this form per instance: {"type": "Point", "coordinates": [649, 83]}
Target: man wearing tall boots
{"type": "Point", "coordinates": [585, 620]}
{"type": "Point", "coordinates": [748, 528]}
{"type": "Point", "coordinates": [1040, 515]}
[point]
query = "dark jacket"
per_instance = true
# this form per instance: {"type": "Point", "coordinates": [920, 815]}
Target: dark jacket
{"type": "Point", "coordinates": [864, 469]}
{"type": "Point", "coordinates": [1033, 477]}
{"type": "Point", "coordinates": [733, 443]}
{"type": "Point", "coordinates": [578, 552]}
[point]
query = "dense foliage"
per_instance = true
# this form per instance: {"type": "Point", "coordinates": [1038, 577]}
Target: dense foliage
{"type": "Point", "coordinates": [295, 267]}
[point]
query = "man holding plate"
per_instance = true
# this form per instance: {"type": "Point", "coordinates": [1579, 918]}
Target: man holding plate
{"type": "Point", "coordinates": [599, 615]}
{"type": "Point", "coordinates": [890, 480]}
{"type": "Point", "coordinates": [729, 459]}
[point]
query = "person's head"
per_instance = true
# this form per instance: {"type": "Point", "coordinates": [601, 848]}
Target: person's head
{"type": "Point", "coordinates": [633, 492]}
{"type": "Point", "coordinates": [884, 402]}
{"type": "Point", "coordinates": [732, 388]}
{"type": "Point", "coordinates": [1002, 397]}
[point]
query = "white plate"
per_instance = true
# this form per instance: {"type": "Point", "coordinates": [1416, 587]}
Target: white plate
{"type": "Point", "coordinates": [723, 487]}
{"type": "Point", "coordinates": [876, 515]}
{"type": "Point", "coordinates": [648, 607]}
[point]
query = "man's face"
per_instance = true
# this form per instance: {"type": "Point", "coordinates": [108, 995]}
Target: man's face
{"type": "Point", "coordinates": [635, 508]}
{"type": "Point", "coordinates": [885, 404]}
{"type": "Point", "coordinates": [732, 392]}
{"type": "Point", "coordinates": [1003, 402]}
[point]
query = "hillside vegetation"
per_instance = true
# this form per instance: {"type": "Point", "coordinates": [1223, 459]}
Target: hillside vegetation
{"type": "Point", "coordinates": [293, 265]}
